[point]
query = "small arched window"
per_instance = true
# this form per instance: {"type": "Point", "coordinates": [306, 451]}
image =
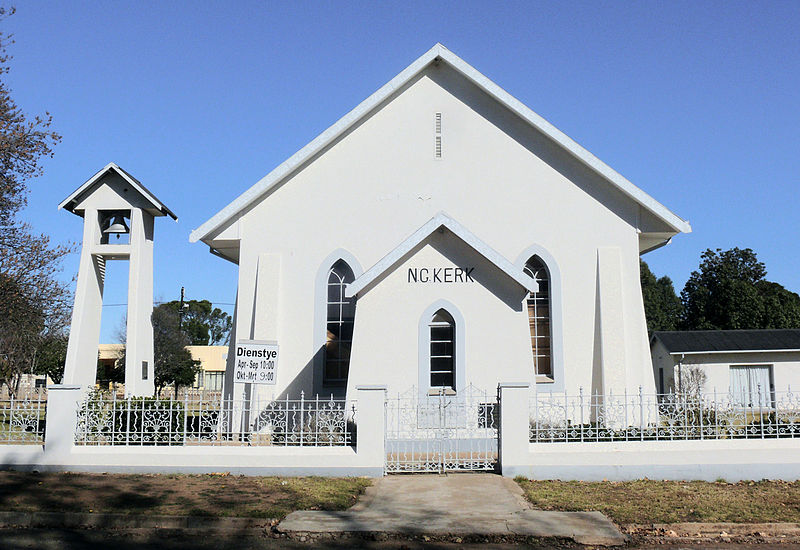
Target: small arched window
{"type": "Point", "coordinates": [539, 317]}
{"type": "Point", "coordinates": [340, 321]}
{"type": "Point", "coordinates": [442, 350]}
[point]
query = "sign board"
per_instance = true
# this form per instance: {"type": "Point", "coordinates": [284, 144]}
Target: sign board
{"type": "Point", "coordinates": [256, 362]}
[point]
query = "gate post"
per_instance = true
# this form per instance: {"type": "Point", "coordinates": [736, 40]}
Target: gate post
{"type": "Point", "coordinates": [60, 422]}
{"type": "Point", "coordinates": [371, 427]}
{"type": "Point", "coordinates": [514, 425]}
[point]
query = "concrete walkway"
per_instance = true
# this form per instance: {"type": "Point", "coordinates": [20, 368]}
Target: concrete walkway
{"type": "Point", "coordinates": [456, 504]}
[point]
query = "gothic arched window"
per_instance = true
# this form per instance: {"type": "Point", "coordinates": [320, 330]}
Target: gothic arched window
{"type": "Point", "coordinates": [341, 314]}
{"type": "Point", "coordinates": [539, 317]}
{"type": "Point", "coordinates": [442, 350]}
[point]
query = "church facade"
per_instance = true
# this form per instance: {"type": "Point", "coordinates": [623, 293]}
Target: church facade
{"type": "Point", "coordinates": [438, 236]}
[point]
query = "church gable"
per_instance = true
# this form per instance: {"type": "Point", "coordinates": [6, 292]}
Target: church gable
{"type": "Point", "coordinates": [442, 109]}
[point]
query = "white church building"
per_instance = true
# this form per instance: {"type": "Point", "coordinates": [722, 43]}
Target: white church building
{"type": "Point", "coordinates": [441, 281]}
{"type": "Point", "coordinates": [441, 235]}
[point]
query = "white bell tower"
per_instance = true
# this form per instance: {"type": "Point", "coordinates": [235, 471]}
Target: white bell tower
{"type": "Point", "coordinates": [118, 214]}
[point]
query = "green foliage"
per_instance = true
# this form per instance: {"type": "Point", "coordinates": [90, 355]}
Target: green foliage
{"type": "Point", "coordinates": [173, 364]}
{"type": "Point", "coordinates": [662, 307]}
{"type": "Point", "coordinates": [204, 324]}
{"type": "Point", "coordinates": [51, 354]}
{"type": "Point", "coordinates": [781, 306]}
{"type": "Point", "coordinates": [729, 291]}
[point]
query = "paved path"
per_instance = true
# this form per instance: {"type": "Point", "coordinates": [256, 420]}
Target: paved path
{"type": "Point", "coordinates": [457, 504]}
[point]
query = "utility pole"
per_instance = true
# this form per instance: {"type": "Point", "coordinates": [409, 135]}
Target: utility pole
{"type": "Point", "coordinates": [180, 311]}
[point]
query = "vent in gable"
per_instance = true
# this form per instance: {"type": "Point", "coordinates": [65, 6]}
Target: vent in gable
{"type": "Point", "coordinates": [437, 140]}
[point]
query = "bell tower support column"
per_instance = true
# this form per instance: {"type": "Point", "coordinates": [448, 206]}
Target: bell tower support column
{"type": "Point", "coordinates": [139, 372]}
{"type": "Point", "coordinates": [84, 338]}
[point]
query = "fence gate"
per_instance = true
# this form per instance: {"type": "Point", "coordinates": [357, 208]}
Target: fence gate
{"type": "Point", "coordinates": [440, 432]}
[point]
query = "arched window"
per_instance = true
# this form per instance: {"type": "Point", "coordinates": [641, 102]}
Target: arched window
{"type": "Point", "coordinates": [442, 351]}
{"type": "Point", "coordinates": [539, 317]}
{"type": "Point", "coordinates": [340, 321]}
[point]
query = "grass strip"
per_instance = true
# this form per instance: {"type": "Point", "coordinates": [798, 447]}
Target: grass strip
{"type": "Point", "coordinates": [649, 501]}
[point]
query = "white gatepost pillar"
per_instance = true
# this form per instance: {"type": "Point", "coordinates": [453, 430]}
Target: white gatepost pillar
{"type": "Point", "coordinates": [371, 427]}
{"type": "Point", "coordinates": [60, 422]}
{"type": "Point", "coordinates": [514, 428]}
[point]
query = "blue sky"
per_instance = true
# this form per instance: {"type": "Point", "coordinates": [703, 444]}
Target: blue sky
{"type": "Point", "coordinates": [697, 103]}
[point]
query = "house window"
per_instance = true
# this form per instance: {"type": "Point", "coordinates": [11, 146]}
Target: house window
{"type": "Point", "coordinates": [539, 317]}
{"type": "Point", "coordinates": [442, 350]}
{"type": "Point", "coordinates": [213, 380]}
{"type": "Point", "coordinates": [340, 322]}
{"type": "Point", "coordinates": [751, 386]}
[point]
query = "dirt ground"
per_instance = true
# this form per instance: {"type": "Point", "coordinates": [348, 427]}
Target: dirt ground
{"type": "Point", "coordinates": [184, 495]}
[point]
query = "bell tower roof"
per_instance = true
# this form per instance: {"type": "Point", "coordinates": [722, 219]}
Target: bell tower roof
{"type": "Point", "coordinates": [119, 198]}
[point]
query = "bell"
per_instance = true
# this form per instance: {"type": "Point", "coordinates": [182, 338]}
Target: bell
{"type": "Point", "coordinates": [118, 226]}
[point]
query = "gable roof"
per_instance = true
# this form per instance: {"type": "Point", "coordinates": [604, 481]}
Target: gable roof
{"type": "Point", "coordinates": [729, 341]}
{"type": "Point", "coordinates": [440, 220]}
{"type": "Point", "coordinates": [75, 197]}
{"type": "Point", "coordinates": [436, 53]}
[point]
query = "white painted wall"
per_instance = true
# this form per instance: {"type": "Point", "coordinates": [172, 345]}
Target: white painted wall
{"type": "Point", "coordinates": [731, 460]}
{"type": "Point", "coordinates": [502, 180]}
{"type": "Point", "coordinates": [496, 337]}
{"type": "Point", "coordinates": [785, 366]}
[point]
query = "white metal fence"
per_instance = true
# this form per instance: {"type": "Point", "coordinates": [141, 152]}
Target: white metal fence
{"type": "Point", "coordinates": [594, 417]}
{"type": "Point", "coordinates": [199, 420]}
{"type": "Point", "coordinates": [22, 420]}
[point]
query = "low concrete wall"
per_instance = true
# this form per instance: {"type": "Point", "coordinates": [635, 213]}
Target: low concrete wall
{"type": "Point", "coordinates": [731, 460]}
{"type": "Point", "coordinates": [61, 454]}
{"type": "Point", "coordinates": [287, 461]}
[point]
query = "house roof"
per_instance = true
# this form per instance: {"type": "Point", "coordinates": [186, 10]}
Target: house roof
{"type": "Point", "coordinates": [437, 53]}
{"type": "Point", "coordinates": [76, 196]}
{"type": "Point", "coordinates": [440, 220]}
{"type": "Point", "coordinates": [729, 341]}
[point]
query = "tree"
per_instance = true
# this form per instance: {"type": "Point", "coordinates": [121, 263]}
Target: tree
{"type": "Point", "coordinates": [204, 324]}
{"type": "Point", "coordinates": [51, 354]}
{"type": "Point", "coordinates": [172, 362]}
{"type": "Point", "coordinates": [662, 307]}
{"type": "Point", "coordinates": [781, 306]}
{"type": "Point", "coordinates": [692, 381]}
{"type": "Point", "coordinates": [34, 304]}
{"type": "Point", "coordinates": [23, 141]}
{"type": "Point", "coordinates": [729, 291]}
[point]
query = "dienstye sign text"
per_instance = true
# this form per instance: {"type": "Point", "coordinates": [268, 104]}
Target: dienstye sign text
{"type": "Point", "coordinates": [440, 274]}
{"type": "Point", "coordinates": [256, 363]}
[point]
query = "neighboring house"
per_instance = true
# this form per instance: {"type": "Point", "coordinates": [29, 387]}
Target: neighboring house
{"type": "Point", "coordinates": [439, 235]}
{"type": "Point", "coordinates": [212, 362]}
{"type": "Point", "coordinates": [751, 365]}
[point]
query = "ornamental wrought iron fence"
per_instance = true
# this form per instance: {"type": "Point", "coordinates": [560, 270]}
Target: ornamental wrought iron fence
{"type": "Point", "coordinates": [22, 420]}
{"type": "Point", "coordinates": [199, 420]}
{"type": "Point", "coordinates": [594, 417]}
{"type": "Point", "coordinates": [441, 431]}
